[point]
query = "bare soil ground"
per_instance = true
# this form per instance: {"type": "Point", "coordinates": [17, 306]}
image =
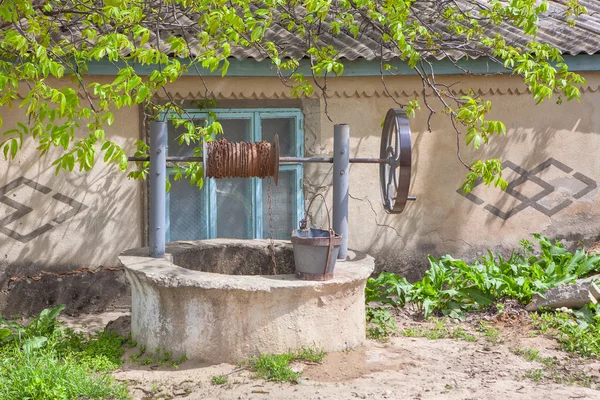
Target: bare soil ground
{"type": "Point", "coordinates": [403, 368]}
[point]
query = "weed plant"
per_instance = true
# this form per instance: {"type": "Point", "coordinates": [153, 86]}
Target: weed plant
{"type": "Point", "coordinates": [219, 380]}
{"type": "Point", "coordinates": [439, 331]}
{"type": "Point", "coordinates": [553, 369]}
{"type": "Point", "coordinates": [276, 367]}
{"type": "Point", "coordinates": [453, 287]}
{"type": "Point", "coordinates": [160, 356]}
{"type": "Point", "coordinates": [380, 323]}
{"type": "Point", "coordinates": [576, 331]}
{"type": "Point", "coordinates": [44, 360]}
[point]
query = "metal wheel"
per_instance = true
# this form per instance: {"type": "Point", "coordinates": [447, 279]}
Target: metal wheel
{"type": "Point", "coordinates": [394, 175]}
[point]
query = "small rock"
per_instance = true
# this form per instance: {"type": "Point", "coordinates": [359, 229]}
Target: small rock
{"type": "Point", "coordinates": [297, 367]}
{"type": "Point", "coordinates": [121, 325]}
{"type": "Point", "coordinates": [576, 295]}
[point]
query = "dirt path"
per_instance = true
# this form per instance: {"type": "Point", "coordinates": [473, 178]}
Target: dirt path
{"type": "Point", "coordinates": [403, 368]}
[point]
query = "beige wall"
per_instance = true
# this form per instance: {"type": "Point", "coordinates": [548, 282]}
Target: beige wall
{"type": "Point", "coordinates": [440, 221]}
{"type": "Point", "coordinates": [106, 206]}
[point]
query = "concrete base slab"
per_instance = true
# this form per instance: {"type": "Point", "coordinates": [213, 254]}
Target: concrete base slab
{"type": "Point", "coordinates": [218, 317]}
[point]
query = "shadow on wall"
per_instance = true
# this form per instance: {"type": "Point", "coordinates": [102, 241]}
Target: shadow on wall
{"type": "Point", "coordinates": [442, 221]}
{"type": "Point", "coordinates": [549, 170]}
{"type": "Point", "coordinates": [60, 237]}
{"type": "Point", "coordinates": [394, 231]}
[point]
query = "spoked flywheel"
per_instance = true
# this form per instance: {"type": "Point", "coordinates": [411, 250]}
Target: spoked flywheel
{"type": "Point", "coordinates": [395, 174]}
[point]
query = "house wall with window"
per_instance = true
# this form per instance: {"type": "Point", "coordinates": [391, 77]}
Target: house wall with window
{"type": "Point", "coordinates": [84, 220]}
{"type": "Point", "coordinates": [552, 172]}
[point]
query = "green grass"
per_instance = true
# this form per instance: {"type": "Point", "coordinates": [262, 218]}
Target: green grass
{"type": "Point", "coordinates": [45, 375]}
{"type": "Point", "coordinates": [535, 374]}
{"type": "Point", "coordinates": [553, 370]}
{"type": "Point", "coordinates": [276, 367]}
{"type": "Point", "coordinates": [490, 333]}
{"type": "Point", "coordinates": [380, 323]}
{"type": "Point", "coordinates": [43, 361]}
{"type": "Point", "coordinates": [219, 380]}
{"type": "Point", "coordinates": [577, 332]}
{"type": "Point", "coordinates": [439, 331]}
{"type": "Point", "coordinates": [160, 357]}
{"type": "Point", "coordinates": [309, 354]}
{"type": "Point", "coordinates": [534, 355]}
{"type": "Point", "coordinates": [462, 334]}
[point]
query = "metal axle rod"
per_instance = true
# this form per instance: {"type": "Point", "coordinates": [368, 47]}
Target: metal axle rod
{"type": "Point", "coordinates": [282, 160]}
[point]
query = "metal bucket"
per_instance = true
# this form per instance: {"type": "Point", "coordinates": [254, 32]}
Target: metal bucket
{"type": "Point", "coordinates": [315, 253]}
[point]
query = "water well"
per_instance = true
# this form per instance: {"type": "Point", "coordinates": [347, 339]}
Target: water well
{"type": "Point", "coordinates": [224, 300]}
{"type": "Point", "coordinates": [217, 301]}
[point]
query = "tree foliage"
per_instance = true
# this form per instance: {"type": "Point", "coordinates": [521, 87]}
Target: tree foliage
{"type": "Point", "coordinates": [47, 47]}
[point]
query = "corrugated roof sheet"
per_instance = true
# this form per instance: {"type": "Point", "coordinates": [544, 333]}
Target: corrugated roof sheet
{"type": "Point", "coordinates": [582, 38]}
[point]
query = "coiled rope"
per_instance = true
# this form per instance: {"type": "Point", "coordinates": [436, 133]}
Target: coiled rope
{"type": "Point", "coordinates": [242, 159]}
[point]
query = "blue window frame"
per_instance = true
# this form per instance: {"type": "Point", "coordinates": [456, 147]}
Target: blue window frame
{"type": "Point", "coordinates": [238, 207]}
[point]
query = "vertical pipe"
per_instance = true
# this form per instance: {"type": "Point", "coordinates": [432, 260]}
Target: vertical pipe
{"type": "Point", "coordinates": [158, 176]}
{"type": "Point", "coordinates": [341, 179]}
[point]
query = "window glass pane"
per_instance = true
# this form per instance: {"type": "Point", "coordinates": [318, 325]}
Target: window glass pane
{"type": "Point", "coordinates": [234, 208]}
{"type": "Point", "coordinates": [234, 196]}
{"type": "Point", "coordinates": [233, 213]}
{"type": "Point", "coordinates": [282, 204]}
{"type": "Point", "coordinates": [236, 130]}
{"type": "Point", "coordinates": [187, 219]}
{"type": "Point", "coordinates": [286, 129]}
{"type": "Point", "coordinates": [173, 146]}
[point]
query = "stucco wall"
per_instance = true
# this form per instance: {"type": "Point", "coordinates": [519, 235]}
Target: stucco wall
{"type": "Point", "coordinates": [556, 199]}
{"type": "Point", "coordinates": [549, 147]}
{"type": "Point", "coordinates": [55, 224]}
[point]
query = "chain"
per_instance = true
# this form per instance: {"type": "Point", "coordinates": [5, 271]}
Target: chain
{"type": "Point", "coordinates": [271, 230]}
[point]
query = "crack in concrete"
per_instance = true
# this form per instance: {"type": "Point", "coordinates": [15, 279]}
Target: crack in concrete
{"type": "Point", "coordinates": [435, 231]}
{"type": "Point", "coordinates": [375, 212]}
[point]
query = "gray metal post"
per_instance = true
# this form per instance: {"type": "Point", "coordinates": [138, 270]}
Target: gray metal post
{"type": "Point", "coordinates": [341, 180]}
{"type": "Point", "coordinates": [158, 183]}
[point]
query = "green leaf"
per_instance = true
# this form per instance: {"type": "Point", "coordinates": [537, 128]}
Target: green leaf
{"type": "Point", "coordinates": [225, 67]}
{"type": "Point", "coordinates": [34, 343]}
{"type": "Point", "coordinates": [478, 296]}
{"type": "Point", "coordinates": [428, 307]}
{"type": "Point", "coordinates": [48, 316]}
{"type": "Point", "coordinates": [14, 147]}
{"type": "Point", "coordinates": [256, 33]}
{"type": "Point", "coordinates": [590, 264]}
{"type": "Point", "coordinates": [142, 93]}
{"type": "Point", "coordinates": [4, 332]}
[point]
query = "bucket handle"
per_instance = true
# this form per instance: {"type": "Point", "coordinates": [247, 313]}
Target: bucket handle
{"type": "Point", "coordinates": [304, 222]}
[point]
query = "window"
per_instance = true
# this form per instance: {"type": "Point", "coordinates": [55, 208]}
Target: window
{"type": "Point", "coordinates": [238, 207]}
